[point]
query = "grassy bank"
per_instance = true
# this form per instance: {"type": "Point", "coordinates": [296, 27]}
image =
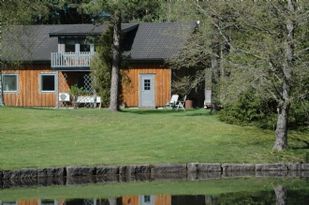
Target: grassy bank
{"type": "Point", "coordinates": [48, 137]}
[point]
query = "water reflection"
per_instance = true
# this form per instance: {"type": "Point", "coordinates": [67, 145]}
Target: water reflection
{"type": "Point", "coordinates": [280, 196]}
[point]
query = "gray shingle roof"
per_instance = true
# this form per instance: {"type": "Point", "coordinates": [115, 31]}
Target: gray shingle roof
{"type": "Point", "coordinates": [159, 41]}
{"type": "Point", "coordinates": [87, 29]}
{"type": "Point", "coordinates": [29, 43]}
{"type": "Point", "coordinates": [152, 41]}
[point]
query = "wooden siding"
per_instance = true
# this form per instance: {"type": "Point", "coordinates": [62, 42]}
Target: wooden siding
{"type": "Point", "coordinates": [130, 200]}
{"type": "Point", "coordinates": [28, 92]}
{"type": "Point", "coordinates": [28, 202]}
{"type": "Point", "coordinates": [163, 200]}
{"type": "Point", "coordinates": [158, 200]}
{"type": "Point", "coordinates": [130, 85]}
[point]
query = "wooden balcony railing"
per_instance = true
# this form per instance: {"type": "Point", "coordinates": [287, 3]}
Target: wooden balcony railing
{"type": "Point", "coordinates": [71, 59]}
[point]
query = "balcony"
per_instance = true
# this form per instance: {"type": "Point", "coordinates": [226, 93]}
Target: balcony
{"type": "Point", "coordinates": [71, 59]}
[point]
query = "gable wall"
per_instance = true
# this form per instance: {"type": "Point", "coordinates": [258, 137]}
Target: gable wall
{"type": "Point", "coordinates": [130, 84]}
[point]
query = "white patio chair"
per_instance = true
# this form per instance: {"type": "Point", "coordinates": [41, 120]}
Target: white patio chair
{"type": "Point", "coordinates": [181, 104]}
{"type": "Point", "coordinates": [173, 102]}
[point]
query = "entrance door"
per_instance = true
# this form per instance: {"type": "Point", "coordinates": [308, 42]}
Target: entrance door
{"type": "Point", "coordinates": [147, 91]}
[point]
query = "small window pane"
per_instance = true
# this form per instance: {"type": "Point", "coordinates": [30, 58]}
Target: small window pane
{"type": "Point", "coordinates": [69, 47]}
{"type": "Point", "coordinates": [84, 48]}
{"type": "Point", "coordinates": [147, 199]}
{"type": "Point", "coordinates": [48, 82]}
{"type": "Point", "coordinates": [10, 83]}
{"type": "Point", "coordinates": [47, 202]}
{"type": "Point", "coordinates": [147, 84]}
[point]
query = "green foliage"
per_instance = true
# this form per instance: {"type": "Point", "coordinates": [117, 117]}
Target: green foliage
{"type": "Point", "coordinates": [131, 10]}
{"type": "Point", "coordinates": [74, 90]}
{"type": "Point", "coordinates": [21, 11]}
{"type": "Point", "coordinates": [249, 108]}
{"type": "Point", "coordinates": [101, 66]}
{"type": "Point", "coordinates": [141, 10]}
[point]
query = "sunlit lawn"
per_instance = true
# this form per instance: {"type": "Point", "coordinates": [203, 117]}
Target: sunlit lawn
{"type": "Point", "coordinates": [50, 137]}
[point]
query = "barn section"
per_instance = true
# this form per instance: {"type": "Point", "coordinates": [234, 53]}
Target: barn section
{"type": "Point", "coordinates": [27, 92]}
{"type": "Point", "coordinates": [29, 87]}
{"type": "Point", "coordinates": [132, 85]}
{"type": "Point", "coordinates": [146, 82]}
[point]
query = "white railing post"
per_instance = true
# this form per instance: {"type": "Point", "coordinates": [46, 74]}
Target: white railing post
{"type": "Point", "coordinates": [71, 59]}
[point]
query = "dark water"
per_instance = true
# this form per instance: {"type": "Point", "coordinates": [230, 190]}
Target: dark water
{"type": "Point", "coordinates": [236, 191]}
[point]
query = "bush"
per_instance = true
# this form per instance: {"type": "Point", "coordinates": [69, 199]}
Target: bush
{"type": "Point", "coordinates": [250, 109]}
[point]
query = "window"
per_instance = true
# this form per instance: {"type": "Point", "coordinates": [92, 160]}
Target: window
{"type": "Point", "coordinates": [146, 199]}
{"type": "Point", "coordinates": [8, 203]}
{"type": "Point", "coordinates": [9, 82]}
{"type": "Point", "coordinates": [47, 82]}
{"type": "Point", "coordinates": [147, 84]}
{"type": "Point", "coordinates": [47, 202]}
{"type": "Point", "coordinates": [84, 48]}
{"type": "Point", "coordinates": [69, 47]}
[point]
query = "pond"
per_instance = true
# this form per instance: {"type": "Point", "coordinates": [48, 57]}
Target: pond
{"type": "Point", "coordinates": [251, 190]}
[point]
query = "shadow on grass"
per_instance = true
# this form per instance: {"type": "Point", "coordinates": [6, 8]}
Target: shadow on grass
{"type": "Point", "coordinates": [180, 113]}
{"type": "Point", "coordinates": [33, 108]}
{"type": "Point", "coordinates": [148, 111]}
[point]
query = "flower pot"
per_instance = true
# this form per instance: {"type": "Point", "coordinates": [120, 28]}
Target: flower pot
{"type": "Point", "coordinates": [188, 104]}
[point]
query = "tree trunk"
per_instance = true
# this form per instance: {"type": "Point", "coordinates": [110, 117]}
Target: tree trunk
{"type": "Point", "coordinates": [1, 89]}
{"type": "Point", "coordinates": [281, 195]}
{"type": "Point", "coordinates": [114, 104]}
{"type": "Point", "coordinates": [282, 128]}
{"type": "Point", "coordinates": [215, 66]}
{"type": "Point", "coordinates": [284, 106]}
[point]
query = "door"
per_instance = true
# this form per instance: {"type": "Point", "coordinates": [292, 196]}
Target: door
{"type": "Point", "coordinates": [147, 90]}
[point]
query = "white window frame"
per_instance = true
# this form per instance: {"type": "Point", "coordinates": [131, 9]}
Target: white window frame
{"type": "Point", "coordinates": [41, 83]}
{"type": "Point", "coordinates": [17, 82]}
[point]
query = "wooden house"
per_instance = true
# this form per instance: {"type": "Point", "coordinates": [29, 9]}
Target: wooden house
{"type": "Point", "coordinates": [44, 61]}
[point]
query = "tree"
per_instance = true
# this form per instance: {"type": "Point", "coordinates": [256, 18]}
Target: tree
{"type": "Point", "coordinates": [114, 93]}
{"type": "Point", "coordinates": [281, 195]}
{"type": "Point", "coordinates": [271, 34]}
{"type": "Point", "coordinates": [14, 13]}
{"type": "Point", "coordinates": [207, 49]}
{"type": "Point", "coordinates": [101, 66]}
{"type": "Point", "coordinates": [63, 12]}
{"type": "Point", "coordinates": [259, 55]}
{"type": "Point", "coordinates": [117, 8]}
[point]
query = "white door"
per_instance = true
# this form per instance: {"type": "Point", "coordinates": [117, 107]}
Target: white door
{"type": "Point", "coordinates": [147, 90]}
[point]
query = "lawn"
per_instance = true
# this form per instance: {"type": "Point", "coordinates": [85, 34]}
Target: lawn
{"type": "Point", "coordinates": [51, 137]}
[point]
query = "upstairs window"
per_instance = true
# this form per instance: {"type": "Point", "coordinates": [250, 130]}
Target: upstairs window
{"type": "Point", "coordinates": [9, 82]}
{"type": "Point", "coordinates": [70, 45]}
{"type": "Point", "coordinates": [47, 82]}
{"type": "Point", "coordinates": [84, 48]}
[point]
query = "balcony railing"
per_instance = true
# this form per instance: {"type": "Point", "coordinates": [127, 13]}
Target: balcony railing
{"type": "Point", "coordinates": [71, 59]}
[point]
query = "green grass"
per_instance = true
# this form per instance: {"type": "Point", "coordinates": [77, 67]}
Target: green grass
{"type": "Point", "coordinates": [50, 137]}
{"type": "Point", "coordinates": [210, 187]}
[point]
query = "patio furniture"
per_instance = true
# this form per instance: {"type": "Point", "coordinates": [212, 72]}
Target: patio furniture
{"type": "Point", "coordinates": [173, 102]}
{"type": "Point", "coordinates": [89, 99]}
{"type": "Point", "coordinates": [181, 104]}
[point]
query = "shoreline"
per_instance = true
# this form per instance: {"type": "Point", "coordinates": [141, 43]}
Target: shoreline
{"type": "Point", "coordinates": [110, 173]}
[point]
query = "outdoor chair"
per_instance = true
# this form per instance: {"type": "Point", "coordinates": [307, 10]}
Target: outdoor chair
{"type": "Point", "coordinates": [181, 104]}
{"type": "Point", "coordinates": [173, 102]}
